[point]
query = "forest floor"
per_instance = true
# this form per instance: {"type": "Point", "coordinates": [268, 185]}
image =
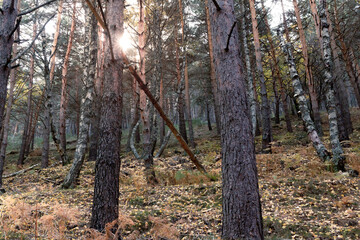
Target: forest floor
{"type": "Point", "coordinates": [301, 198]}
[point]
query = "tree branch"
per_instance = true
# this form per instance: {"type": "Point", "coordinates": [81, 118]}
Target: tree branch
{"type": "Point", "coordinates": [37, 35]}
{"type": "Point", "coordinates": [216, 5]}
{"type": "Point", "coordinates": [228, 41]}
{"type": "Point", "coordinates": [16, 27]}
{"type": "Point", "coordinates": [35, 8]}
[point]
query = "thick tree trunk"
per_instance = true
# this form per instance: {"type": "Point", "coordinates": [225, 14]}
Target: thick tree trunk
{"type": "Point", "coordinates": [241, 199]}
{"type": "Point", "coordinates": [86, 102]}
{"type": "Point", "coordinates": [250, 80]}
{"type": "Point", "coordinates": [5, 129]}
{"type": "Point", "coordinates": [106, 193]}
{"type": "Point", "coordinates": [265, 106]}
{"type": "Point", "coordinates": [8, 16]}
{"type": "Point", "coordinates": [145, 113]}
{"type": "Point", "coordinates": [63, 100]}
{"type": "Point", "coordinates": [308, 72]}
{"type": "Point", "coordinates": [338, 159]}
{"type": "Point", "coordinates": [305, 112]}
{"type": "Point", "coordinates": [277, 73]}
{"type": "Point", "coordinates": [186, 78]}
{"type": "Point", "coordinates": [212, 71]}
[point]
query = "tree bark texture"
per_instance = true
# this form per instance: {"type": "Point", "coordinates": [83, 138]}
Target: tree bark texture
{"type": "Point", "coordinates": [265, 106]}
{"type": "Point", "coordinates": [86, 101]}
{"type": "Point", "coordinates": [250, 86]}
{"type": "Point", "coordinates": [338, 158]}
{"type": "Point", "coordinates": [107, 168]}
{"type": "Point", "coordinates": [241, 209]}
{"type": "Point", "coordinates": [7, 29]}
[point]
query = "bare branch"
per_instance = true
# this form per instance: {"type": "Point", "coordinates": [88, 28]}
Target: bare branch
{"type": "Point", "coordinates": [30, 45]}
{"type": "Point", "coordinates": [216, 5]}
{"type": "Point", "coordinates": [228, 41]}
{"type": "Point", "coordinates": [35, 8]}
{"type": "Point", "coordinates": [16, 27]}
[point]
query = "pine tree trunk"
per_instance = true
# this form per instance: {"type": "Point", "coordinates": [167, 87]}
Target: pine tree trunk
{"type": "Point", "coordinates": [5, 128]}
{"type": "Point", "coordinates": [86, 101]}
{"type": "Point", "coordinates": [265, 106]}
{"type": "Point", "coordinates": [212, 71]}
{"type": "Point", "coordinates": [182, 124]}
{"type": "Point", "coordinates": [241, 199]}
{"type": "Point", "coordinates": [308, 72]}
{"type": "Point", "coordinates": [338, 158]}
{"type": "Point", "coordinates": [64, 100]}
{"type": "Point", "coordinates": [250, 80]}
{"type": "Point", "coordinates": [107, 168]}
{"type": "Point", "coordinates": [27, 125]}
{"type": "Point", "coordinates": [145, 113]}
{"type": "Point", "coordinates": [7, 19]}
{"type": "Point", "coordinates": [342, 102]}
{"type": "Point", "coordinates": [186, 77]}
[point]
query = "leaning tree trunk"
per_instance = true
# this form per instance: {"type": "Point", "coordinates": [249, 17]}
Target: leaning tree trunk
{"type": "Point", "coordinates": [303, 105]}
{"type": "Point", "coordinates": [86, 101]}
{"type": "Point", "coordinates": [64, 100]}
{"type": "Point", "coordinates": [241, 199]}
{"type": "Point", "coordinates": [308, 72]}
{"type": "Point", "coordinates": [338, 158]}
{"type": "Point", "coordinates": [105, 207]}
{"type": "Point", "coordinates": [8, 16]}
{"type": "Point", "coordinates": [265, 106]}
{"type": "Point", "coordinates": [250, 80]}
{"type": "Point", "coordinates": [212, 71]}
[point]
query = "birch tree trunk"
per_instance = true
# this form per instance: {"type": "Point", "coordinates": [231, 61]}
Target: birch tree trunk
{"type": "Point", "coordinates": [305, 112]}
{"type": "Point", "coordinates": [7, 29]}
{"type": "Point", "coordinates": [265, 107]}
{"type": "Point", "coordinates": [49, 76]}
{"type": "Point", "coordinates": [241, 200]}
{"type": "Point", "coordinates": [107, 168]}
{"type": "Point", "coordinates": [308, 72]}
{"type": "Point", "coordinates": [86, 101]}
{"type": "Point", "coordinates": [250, 80]}
{"type": "Point", "coordinates": [64, 100]}
{"type": "Point", "coordinates": [212, 70]}
{"type": "Point", "coordinates": [338, 158]}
